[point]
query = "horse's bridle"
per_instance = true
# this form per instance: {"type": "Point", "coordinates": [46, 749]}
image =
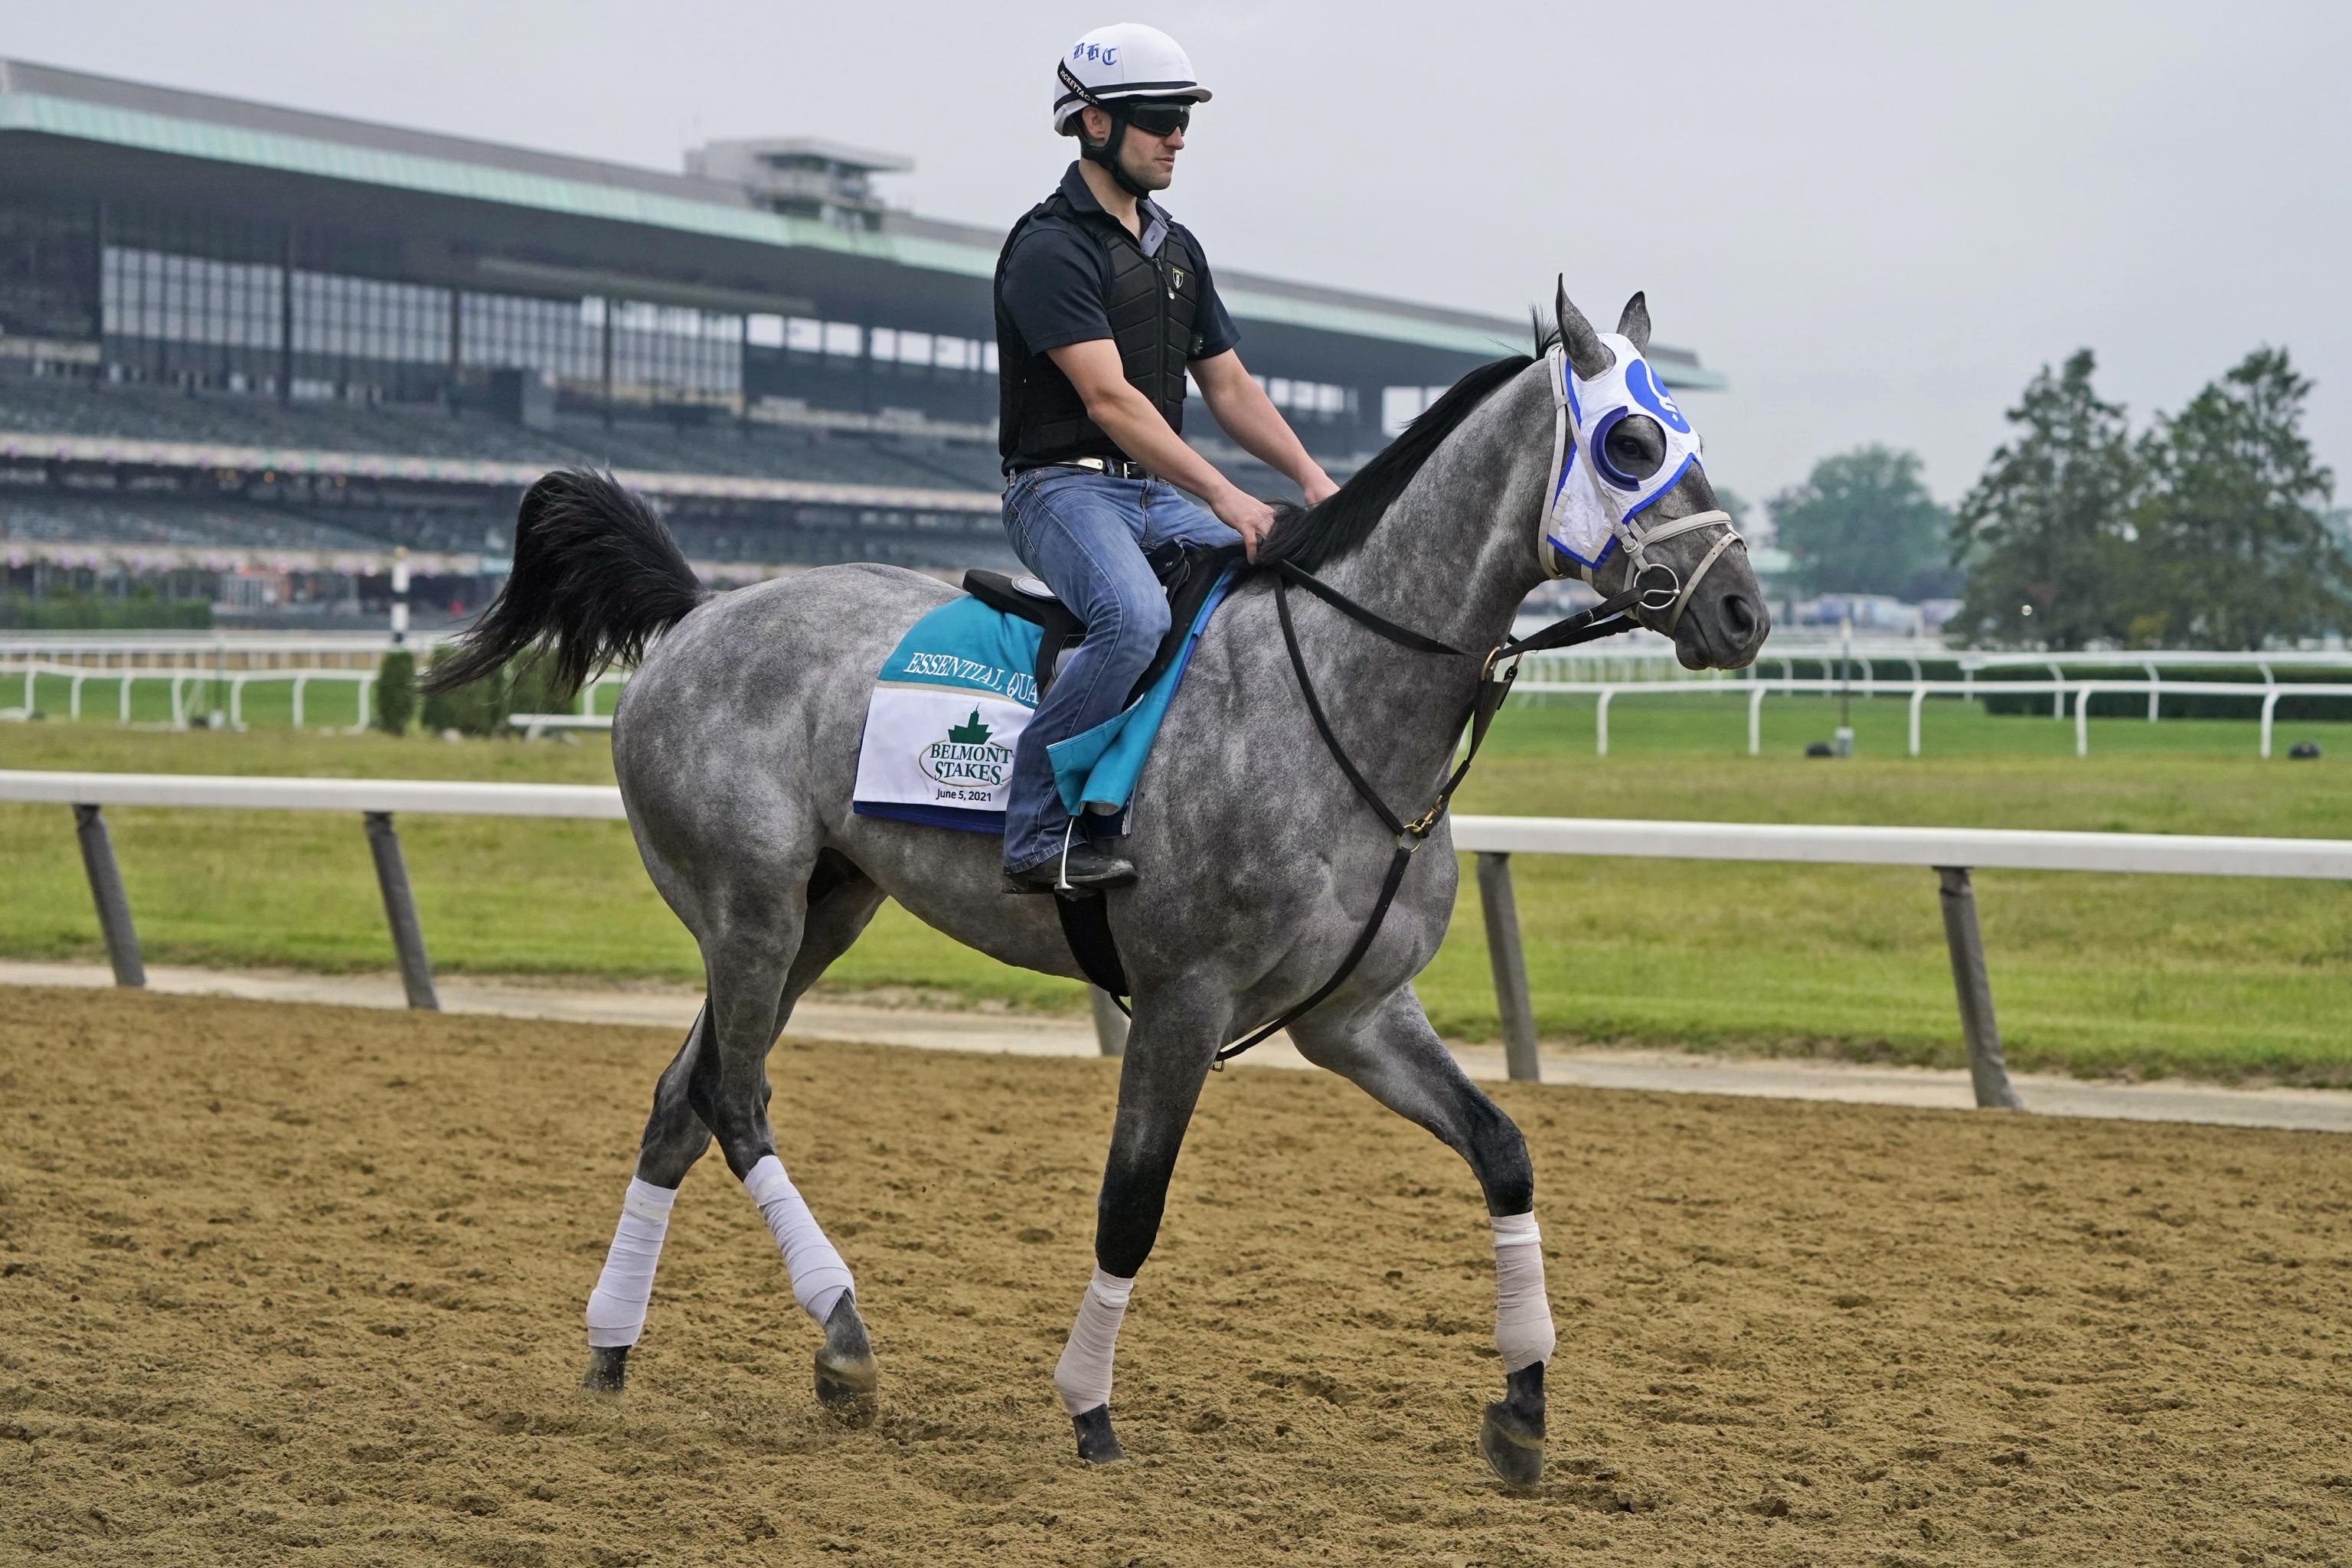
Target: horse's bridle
{"type": "Point", "coordinates": [1637, 547]}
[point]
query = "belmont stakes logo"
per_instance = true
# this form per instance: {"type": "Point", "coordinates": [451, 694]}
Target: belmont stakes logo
{"type": "Point", "coordinates": [968, 759]}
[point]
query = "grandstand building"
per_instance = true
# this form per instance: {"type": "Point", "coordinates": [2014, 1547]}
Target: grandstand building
{"type": "Point", "coordinates": [247, 350]}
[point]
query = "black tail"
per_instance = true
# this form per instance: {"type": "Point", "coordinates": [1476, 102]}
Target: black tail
{"type": "Point", "coordinates": [597, 577]}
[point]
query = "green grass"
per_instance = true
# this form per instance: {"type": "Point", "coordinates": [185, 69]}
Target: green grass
{"type": "Point", "coordinates": [2210, 977]}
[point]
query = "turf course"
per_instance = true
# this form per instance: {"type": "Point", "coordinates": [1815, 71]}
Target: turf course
{"type": "Point", "coordinates": [2210, 977]}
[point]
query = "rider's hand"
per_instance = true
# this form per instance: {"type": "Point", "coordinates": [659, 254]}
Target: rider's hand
{"type": "Point", "coordinates": [1318, 488]}
{"type": "Point", "coordinates": [1246, 515]}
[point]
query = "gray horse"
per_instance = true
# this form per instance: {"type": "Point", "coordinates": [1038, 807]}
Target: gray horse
{"type": "Point", "coordinates": [736, 746]}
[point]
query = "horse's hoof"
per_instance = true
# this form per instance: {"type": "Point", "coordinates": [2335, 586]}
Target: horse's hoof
{"type": "Point", "coordinates": [1512, 1445]}
{"type": "Point", "coordinates": [1512, 1435]}
{"type": "Point", "coordinates": [1098, 1444]}
{"type": "Point", "coordinates": [608, 1368]}
{"type": "Point", "coordinates": [846, 1378]}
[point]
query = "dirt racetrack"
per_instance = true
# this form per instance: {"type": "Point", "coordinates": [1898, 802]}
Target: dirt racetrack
{"type": "Point", "coordinates": [284, 1284]}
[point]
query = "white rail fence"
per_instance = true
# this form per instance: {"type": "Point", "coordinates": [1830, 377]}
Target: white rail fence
{"type": "Point", "coordinates": [180, 682]}
{"type": "Point", "coordinates": [1652, 658]}
{"type": "Point", "coordinates": [192, 650]}
{"type": "Point", "coordinates": [1950, 852]}
{"type": "Point", "coordinates": [1607, 691]}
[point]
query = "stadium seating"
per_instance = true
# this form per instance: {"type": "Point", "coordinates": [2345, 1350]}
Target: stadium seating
{"type": "Point", "coordinates": [464, 521]}
{"type": "Point", "coordinates": [721, 446]}
{"type": "Point", "coordinates": [46, 516]}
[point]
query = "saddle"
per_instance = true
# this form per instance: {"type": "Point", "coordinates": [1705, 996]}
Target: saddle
{"type": "Point", "coordinates": [1186, 571]}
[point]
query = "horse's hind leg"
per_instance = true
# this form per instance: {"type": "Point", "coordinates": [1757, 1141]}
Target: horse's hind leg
{"type": "Point", "coordinates": [839, 903]}
{"type": "Point", "coordinates": [842, 900]}
{"type": "Point", "coordinates": [674, 1139]}
{"type": "Point", "coordinates": [754, 954]}
{"type": "Point", "coordinates": [1390, 1051]}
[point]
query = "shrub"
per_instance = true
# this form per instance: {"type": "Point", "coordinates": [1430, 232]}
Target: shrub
{"type": "Point", "coordinates": [69, 612]}
{"type": "Point", "coordinates": [531, 687]}
{"type": "Point", "coordinates": [478, 707]}
{"type": "Point", "coordinates": [395, 692]}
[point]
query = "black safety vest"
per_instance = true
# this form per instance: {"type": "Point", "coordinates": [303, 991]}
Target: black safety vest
{"type": "Point", "coordinates": [1151, 302]}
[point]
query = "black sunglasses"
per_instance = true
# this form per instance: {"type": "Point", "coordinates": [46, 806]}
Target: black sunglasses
{"type": "Point", "coordinates": [1158, 119]}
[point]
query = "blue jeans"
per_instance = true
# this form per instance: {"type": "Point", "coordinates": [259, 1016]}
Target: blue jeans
{"type": "Point", "coordinates": [1085, 534]}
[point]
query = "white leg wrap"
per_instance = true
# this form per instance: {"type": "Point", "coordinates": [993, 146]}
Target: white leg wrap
{"type": "Point", "coordinates": [1082, 1375]}
{"type": "Point", "coordinates": [1523, 1330]}
{"type": "Point", "coordinates": [819, 1276]}
{"type": "Point", "coordinates": [616, 1308]}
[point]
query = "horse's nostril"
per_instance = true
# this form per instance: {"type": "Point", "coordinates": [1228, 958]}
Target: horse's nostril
{"type": "Point", "coordinates": [1739, 617]}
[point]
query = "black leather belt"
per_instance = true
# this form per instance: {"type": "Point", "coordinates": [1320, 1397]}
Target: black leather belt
{"type": "Point", "coordinates": [1114, 468]}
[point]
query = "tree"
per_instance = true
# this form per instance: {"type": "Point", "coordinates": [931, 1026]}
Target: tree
{"type": "Point", "coordinates": [2243, 552]}
{"type": "Point", "coordinates": [2046, 534]}
{"type": "Point", "coordinates": [1863, 522]}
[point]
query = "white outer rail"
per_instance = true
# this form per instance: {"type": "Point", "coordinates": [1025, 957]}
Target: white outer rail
{"type": "Point", "coordinates": [239, 792]}
{"type": "Point", "coordinates": [1984, 848]}
{"type": "Point", "coordinates": [77, 676]}
{"type": "Point", "coordinates": [2269, 692]}
{"type": "Point", "coordinates": [1951, 852]}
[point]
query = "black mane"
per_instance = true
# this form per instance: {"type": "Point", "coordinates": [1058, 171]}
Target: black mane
{"type": "Point", "coordinates": [1312, 537]}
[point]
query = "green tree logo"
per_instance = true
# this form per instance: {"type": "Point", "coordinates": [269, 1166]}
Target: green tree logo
{"type": "Point", "coordinates": [971, 732]}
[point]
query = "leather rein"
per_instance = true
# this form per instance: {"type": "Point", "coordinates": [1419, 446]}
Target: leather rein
{"type": "Point", "coordinates": [1655, 586]}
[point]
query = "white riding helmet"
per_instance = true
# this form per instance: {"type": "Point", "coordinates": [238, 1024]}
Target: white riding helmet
{"type": "Point", "coordinates": [1126, 59]}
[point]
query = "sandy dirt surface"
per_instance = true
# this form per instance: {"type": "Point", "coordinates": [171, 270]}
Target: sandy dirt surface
{"type": "Point", "coordinates": [285, 1284]}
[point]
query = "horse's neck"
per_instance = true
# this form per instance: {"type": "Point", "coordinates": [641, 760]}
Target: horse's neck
{"type": "Point", "coordinates": [1452, 559]}
{"type": "Point", "coordinates": [1457, 553]}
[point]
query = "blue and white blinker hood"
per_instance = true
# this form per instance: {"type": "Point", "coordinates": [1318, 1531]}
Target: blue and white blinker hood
{"type": "Point", "coordinates": [1591, 505]}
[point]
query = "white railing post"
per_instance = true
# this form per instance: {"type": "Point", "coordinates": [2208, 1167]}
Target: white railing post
{"type": "Point", "coordinates": [1601, 720]}
{"type": "Point", "coordinates": [2058, 692]}
{"type": "Point", "coordinates": [2270, 709]}
{"type": "Point", "coordinates": [1918, 701]}
{"type": "Point", "coordinates": [300, 681]}
{"type": "Point", "coordinates": [1755, 719]}
{"type": "Point", "coordinates": [73, 692]}
{"type": "Point", "coordinates": [236, 701]}
{"type": "Point", "coordinates": [2082, 718]}
{"type": "Point", "coordinates": [367, 691]}
{"type": "Point", "coordinates": [2153, 678]}
{"type": "Point", "coordinates": [122, 693]}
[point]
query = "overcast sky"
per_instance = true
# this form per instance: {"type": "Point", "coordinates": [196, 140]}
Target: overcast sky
{"type": "Point", "coordinates": [1877, 219]}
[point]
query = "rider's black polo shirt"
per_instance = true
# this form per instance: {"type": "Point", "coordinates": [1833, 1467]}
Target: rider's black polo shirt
{"type": "Point", "coordinates": [1056, 278]}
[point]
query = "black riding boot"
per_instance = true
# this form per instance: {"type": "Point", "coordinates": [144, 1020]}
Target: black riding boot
{"type": "Point", "coordinates": [1082, 865]}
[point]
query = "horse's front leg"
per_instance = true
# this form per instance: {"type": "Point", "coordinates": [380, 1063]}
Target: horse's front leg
{"type": "Point", "coordinates": [1169, 1051]}
{"type": "Point", "coordinates": [1390, 1050]}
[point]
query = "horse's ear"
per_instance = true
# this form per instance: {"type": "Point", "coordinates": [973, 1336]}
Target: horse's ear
{"type": "Point", "coordinates": [1587, 355]}
{"type": "Point", "coordinates": [1634, 324]}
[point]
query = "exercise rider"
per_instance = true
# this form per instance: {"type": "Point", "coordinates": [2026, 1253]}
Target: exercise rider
{"type": "Point", "coordinates": [1103, 304]}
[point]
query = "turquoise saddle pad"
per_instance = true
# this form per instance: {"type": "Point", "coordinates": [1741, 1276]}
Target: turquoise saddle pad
{"type": "Point", "coordinates": [950, 703]}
